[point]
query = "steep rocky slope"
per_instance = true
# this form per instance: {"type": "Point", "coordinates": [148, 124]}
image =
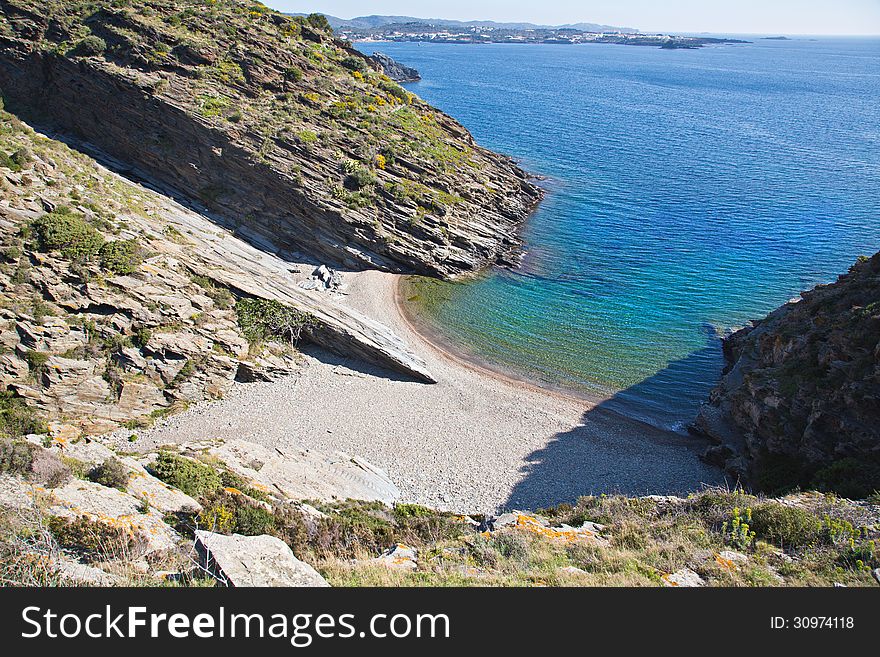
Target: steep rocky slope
{"type": "Point", "coordinates": [118, 305]}
{"type": "Point", "coordinates": [799, 403]}
{"type": "Point", "coordinates": [285, 131]}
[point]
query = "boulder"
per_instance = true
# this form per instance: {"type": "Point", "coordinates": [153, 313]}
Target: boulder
{"type": "Point", "coordinates": [684, 577]}
{"type": "Point", "coordinates": [400, 557]}
{"type": "Point", "coordinates": [253, 561]}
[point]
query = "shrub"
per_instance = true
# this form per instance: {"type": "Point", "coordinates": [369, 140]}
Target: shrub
{"type": "Point", "coordinates": [17, 161]}
{"type": "Point", "coordinates": [319, 22]}
{"type": "Point", "coordinates": [293, 73]}
{"type": "Point", "coordinates": [67, 232]}
{"type": "Point", "coordinates": [226, 512]}
{"type": "Point", "coordinates": [221, 296]}
{"type": "Point", "coordinates": [50, 469]}
{"type": "Point", "coordinates": [93, 540]}
{"type": "Point", "coordinates": [786, 526]}
{"type": "Point", "coordinates": [736, 531]}
{"type": "Point", "coordinates": [111, 473]}
{"type": "Point", "coordinates": [403, 511]}
{"type": "Point", "coordinates": [359, 178]}
{"type": "Point", "coordinates": [512, 545]}
{"type": "Point", "coordinates": [90, 46]}
{"type": "Point", "coordinates": [142, 336]}
{"type": "Point", "coordinates": [192, 477]}
{"type": "Point", "coordinates": [36, 361]}
{"type": "Point", "coordinates": [16, 417]}
{"type": "Point", "coordinates": [353, 63]}
{"type": "Point", "coordinates": [261, 319]}
{"type": "Point", "coordinates": [16, 457]}
{"type": "Point", "coordinates": [394, 89]}
{"type": "Point", "coordinates": [22, 459]}
{"type": "Point", "coordinates": [120, 256]}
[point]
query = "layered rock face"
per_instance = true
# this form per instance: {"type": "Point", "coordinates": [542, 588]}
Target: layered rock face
{"type": "Point", "coordinates": [118, 305]}
{"type": "Point", "coordinates": [284, 131]}
{"type": "Point", "coordinates": [800, 399]}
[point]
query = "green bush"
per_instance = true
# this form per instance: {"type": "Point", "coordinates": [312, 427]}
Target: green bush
{"type": "Point", "coordinates": [192, 477]}
{"type": "Point", "coordinates": [16, 457]}
{"type": "Point", "coordinates": [67, 232]}
{"type": "Point", "coordinates": [261, 319]}
{"type": "Point", "coordinates": [785, 526]}
{"type": "Point", "coordinates": [394, 89]}
{"type": "Point", "coordinates": [227, 512]}
{"type": "Point", "coordinates": [293, 73]}
{"type": "Point", "coordinates": [353, 63]}
{"type": "Point", "coordinates": [120, 256]}
{"type": "Point", "coordinates": [17, 161]}
{"type": "Point", "coordinates": [36, 361]}
{"type": "Point", "coordinates": [111, 473]}
{"type": "Point", "coordinates": [90, 46]}
{"type": "Point", "coordinates": [16, 417]}
{"type": "Point", "coordinates": [221, 296]}
{"type": "Point", "coordinates": [142, 336]}
{"type": "Point", "coordinates": [319, 22]}
{"type": "Point", "coordinates": [359, 178]}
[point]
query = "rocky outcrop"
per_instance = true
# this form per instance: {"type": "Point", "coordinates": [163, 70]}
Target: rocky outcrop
{"type": "Point", "coordinates": [394, 69]}
{"type": "Point", "coordinates": [306, 474]}
{"type": "Point", "coordinates": [799, 403]}
{"type": "Point", "coordinates": [286, 133]}
{"type": "Point", "coordinates": [253, 561]}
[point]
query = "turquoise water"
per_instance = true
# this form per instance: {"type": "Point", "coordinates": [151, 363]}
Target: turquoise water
{"type": "Point", "coordinates": [688, 192]}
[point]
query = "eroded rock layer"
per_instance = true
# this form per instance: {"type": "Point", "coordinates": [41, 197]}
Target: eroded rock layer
{"type": "Point", "coordinates": [269, 120]}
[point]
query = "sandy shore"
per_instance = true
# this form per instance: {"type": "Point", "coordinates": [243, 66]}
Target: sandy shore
{"type": "Point", "coordinates": [474, 442]}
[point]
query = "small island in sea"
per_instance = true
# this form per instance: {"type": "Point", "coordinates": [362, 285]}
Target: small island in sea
{"type": "Point", "coordinates": [218, 226]}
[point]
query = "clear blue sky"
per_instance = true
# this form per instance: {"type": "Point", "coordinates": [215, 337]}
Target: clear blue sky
{"type": "Point", "coordinates": [732, 16]}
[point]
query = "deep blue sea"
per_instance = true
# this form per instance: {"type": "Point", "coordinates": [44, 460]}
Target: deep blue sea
{"type": "Point", "coordinates": [689, 191]}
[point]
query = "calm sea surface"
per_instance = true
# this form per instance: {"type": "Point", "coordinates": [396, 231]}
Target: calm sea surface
{"type": "Point", "coordinates": [688, 192]}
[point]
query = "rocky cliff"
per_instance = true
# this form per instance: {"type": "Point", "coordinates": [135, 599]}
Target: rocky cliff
{"type": "Point", "coordinates": [284, 131]}
{"type": "Point", "coordinates": [119, 305]}
{"type": "Point", "coordinates": [799, 403]}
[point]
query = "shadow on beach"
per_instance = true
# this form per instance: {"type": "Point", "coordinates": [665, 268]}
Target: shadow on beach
{"type": "Point", "coordinates": [612, 452]}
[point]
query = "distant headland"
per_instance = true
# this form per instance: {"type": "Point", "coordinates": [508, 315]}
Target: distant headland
{"type": "Point", "coordinates": [436, 30]}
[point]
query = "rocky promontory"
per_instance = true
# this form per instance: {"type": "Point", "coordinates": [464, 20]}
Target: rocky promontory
{"type": "Point", "coordinates": [282, 130]}
{"type": "Point", "coordinates": [394, 69]}
{"type": "Point", "coordinates": [799, 403]}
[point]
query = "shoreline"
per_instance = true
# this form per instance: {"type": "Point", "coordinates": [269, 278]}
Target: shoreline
{"type": "Point", "coordinates": [445, 348]}
{"type": "Point", "coordinates": [475, 442]}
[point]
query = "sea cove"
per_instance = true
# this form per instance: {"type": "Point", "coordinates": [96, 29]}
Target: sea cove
{"type": "Point", "coordinates": [688, 193]}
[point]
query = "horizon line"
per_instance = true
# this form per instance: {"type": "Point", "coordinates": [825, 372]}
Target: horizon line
{"type": "Point", "coordinates": [643, 31]}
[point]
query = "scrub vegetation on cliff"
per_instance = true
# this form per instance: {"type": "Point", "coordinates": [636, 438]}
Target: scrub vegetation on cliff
{"type": "Point", "coordinates": [291, 132]}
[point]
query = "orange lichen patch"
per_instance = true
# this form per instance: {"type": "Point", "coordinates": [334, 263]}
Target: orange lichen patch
{"type": "Point", "coordinates": [533, 525]}
{"type": "Point", "coordinates": [233, 490]}
{"type": "Point", "coordinates": [667, 579]}
{"type": "Point", "coordinates": [727, 564]}
{"type": "Point", "coordinates": [61, 434]}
